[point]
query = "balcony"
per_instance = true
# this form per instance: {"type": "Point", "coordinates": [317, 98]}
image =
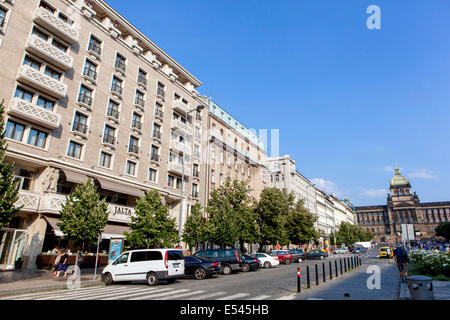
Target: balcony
{"type": "Point", "coordinates": [179, 126]}
{"type": "Point", "coordinates": [195, 194]}
{"type": "Point", "coordinates": [46, 51]}
{"type": "Point", "coordinates": [80, 128]}
{"type": "Point", "coordinates": [180, 106]}
{"type": "Point", "coordinates": [156, 135]}
{"type": "Point", "coordinates": [196, 174]}
{"type": "Point", "coordinates": [142, 81]}
{"type": "Point", "coordinates": [50, 22]}
{"type": "Point", "coordinates": [113, 113]}
{"type": "Point", "coordinates": [90, 74]}
{"type": "Point", "coordinates": [117, 89]}
{"type": "Point", "coordinates": [95, 49]}
{"type": "Point", "coordinates": [85, 100]}
{"type": "Point", "coordinates": [133, 149]}
{"type": "Point", "coordinates": [178, 168]}
{"type": "Point", "coordinates": [161, 93]}
{"type": "Point", "coordinates": [29, 201]}
{"type": "Point", "coordinates": [120, 66]}
{"type": "Point", "coordinates": [109, 139]}
{"type": "Point", "coordinates": [159, 114]}
{"type": "Point", "coordinates": [139, 102]}
{"type": "Point", "coordinates": [136, 125]}
{"type": "Point", "coordinates": [52, 203]}
{"type": "Point", "coordinates": [179, 146]}
{"type": "Point", "coordinates": [154, 157]}
{"type": "Point", "coordinates": [33, 113]}
{"type": "Point", "coordinates": [42, 82]}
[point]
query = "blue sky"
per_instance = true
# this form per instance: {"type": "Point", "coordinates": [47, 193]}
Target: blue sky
{"type": "Point", "coordinates": [350, 103]}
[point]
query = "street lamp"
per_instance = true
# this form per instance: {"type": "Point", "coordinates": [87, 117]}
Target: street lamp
{"type": "Point", "coordinates": [199, 108]}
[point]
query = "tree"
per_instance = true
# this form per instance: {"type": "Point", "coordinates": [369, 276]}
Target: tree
{"type": "Point", "coordinates": [9, 188]}
{"type": "Point", "coordinates": [349, 234]}
{"type": "Point", "coordinates": [272, 210]}
{"type": "Point", "coordinates": [443, 230]}
{"type": "Point", "coordinates": [83, 215]}
{"type": "Point", "coordinates": [195, 228]}
{"type": "Point", "coordinates": [151, 227]}
{"type": "Point", "coordinates": [300, 224]}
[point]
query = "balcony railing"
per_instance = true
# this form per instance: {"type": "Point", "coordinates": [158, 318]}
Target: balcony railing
{"type": "Point", "coordinates": [195, 194]}
{"type": "Point", "coordinates": [160, 92]}
{"type": "Point", "coordinates": [139, 102]}
{"type": "Point", "coordinates": [41, 81]}
{"type": "Point", "coordinates": [157, 135]}
{"type": "Point", "coordinates": [133, 149]}
{"type": "Point", "coordinates": [49, 21]}
{"type": "Point", "coordinates": [88, 72]}
{"type": "Point", "coordinates": [109, 139]}
{"type": "Point", "coordinates": [48, 52]}
{"type": "Point", "coordinates": [179, 146]}
{"type": "Point", "coordinates": [29, 201]}
{"type": "Point", "coordinates": [181, 127]}
{"type": "Point", "coordinates": [2, 22]}
{"type": "Point", "coordinates": [85, 99]}
{"type": "Point", "coordinates": [136, 124]}
{"type": "Point", "coordinates": [180, 106]}
{"type": "Point", "coordinates": [33, 113]}
{"type": "Point", "coordinates": [154, 157]}
{"type": "Point", "coordinates": [142, 80]}
{"type": "Point", "coordinates": [178, 168]}
{"type": "Point", "coordinates": [113, 113]}
{"type": "Point", "coordinates": [95, 48]}
{"type": "Point", "coordinates": [80, 127]}
{"type": "Point", "coordinates": [120, 66]}
{"type": "Point", "coordinates": [196, 174]}
{"type": "Point", "coordinates": [117, 89]}
{"type": "Point", "coordinates": [159, 114]}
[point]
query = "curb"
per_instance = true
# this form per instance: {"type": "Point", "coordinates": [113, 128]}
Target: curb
{"type": "Point", "coordinates": [88, 283]}
{"type": "Point", "coordinates": [404, 291]}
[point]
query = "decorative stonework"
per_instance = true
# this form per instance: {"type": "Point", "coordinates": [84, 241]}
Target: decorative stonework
{"type": "Point", "coordinates": [49, 20]}
{"type": "Point", "coordinates": [36, 78]}
{"type": "Point", "coordinates": [44, 49]}
{"type": "Point", "coordinates": [33, 113]}
{"type": "Point", "coordinates": [51, 180]}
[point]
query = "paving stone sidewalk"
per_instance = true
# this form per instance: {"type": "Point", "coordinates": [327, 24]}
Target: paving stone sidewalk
{"type": "Point", "coordinates": [441, 291]}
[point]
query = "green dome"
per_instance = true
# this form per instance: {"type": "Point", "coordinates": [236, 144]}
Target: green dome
{"type": "Point", "coordinates": [398, 179]}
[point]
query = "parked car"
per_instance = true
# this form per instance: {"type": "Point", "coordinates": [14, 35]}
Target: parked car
{"type": "Point", "coordinates": [359, 250]}
{"type": "Point", "coordinates": [315, 254]}
{"type": "Point", "coordinates": [283, 256]}
{"type": "Point", "coordinates": [297, 254]}
{"type": "Point", "coordinates": [249, 263]}
{"type": "Point", "coordinates": [150, 265]}
{"type": "Point", "coordinates": [266, 260]}
{"type": "Point", "coordinates": [230, 259]}
{"type": "Point", "coordinates": [200, 267]}
{"type": "Point", "coordinates": [340, 251]}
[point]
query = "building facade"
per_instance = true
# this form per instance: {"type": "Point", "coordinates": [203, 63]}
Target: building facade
{"type": "Point", "coordinates": [402, 207]}
{"type": "Point", "coordinates": [88, 95]}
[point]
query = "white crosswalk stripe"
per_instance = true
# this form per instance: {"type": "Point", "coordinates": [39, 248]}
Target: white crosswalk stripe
{"type": "Point", "coordinates": [159, 294]}
{"type": "Point", "coordinates": [130, 295]}
{"type": "Point", "coordinates": [289, 297]}
{"type": "Point", "coordinates": [181, 295]}
{"type": "Point", "coordinates": [208, 296]}
{"type": "Point", "coordinates": [73, 294]}
{"type": "Point", "coordinates": [59, 292]}
{"type": "Point", "coordinates": [261, 297]}
{"type": "Point", "coordinates": [101, 295]}
{"type": "Point", "coordinates": [235, 296]}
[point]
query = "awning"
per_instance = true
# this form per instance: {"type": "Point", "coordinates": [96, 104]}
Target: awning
{"type": "Point", "coordinates": [52, 222]}
{"type": "Point", "coordinates": [74, 177]}
{"type": "Point", "coordinates": [114, 231]}
{"type": "Point", "coordinates": [120, 188]}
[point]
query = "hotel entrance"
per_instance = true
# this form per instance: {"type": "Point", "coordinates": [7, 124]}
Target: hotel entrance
{"type": "Point", "coordinates": [12, 248]}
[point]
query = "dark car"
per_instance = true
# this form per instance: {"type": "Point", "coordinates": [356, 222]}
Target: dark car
{"type": "Point", "coordinates": [316, 254]}
{"type": "Point", "coordinates": [200, 267]}
{"type": "Point", "coordinates": [359, 250]}
{"type": "Point", "coordinates": [249, 263]}
{"type": "Point", "coordinates": [297, 254]}
{"type": "Point", "coordinates": [230, 259]}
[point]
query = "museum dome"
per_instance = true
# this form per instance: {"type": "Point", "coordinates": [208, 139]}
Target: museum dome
{"type": "Point", "coordinates": [398, 179]}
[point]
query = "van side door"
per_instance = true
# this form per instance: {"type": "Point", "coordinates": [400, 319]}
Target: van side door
{"type": "Point", "coordinates": [120, 267]}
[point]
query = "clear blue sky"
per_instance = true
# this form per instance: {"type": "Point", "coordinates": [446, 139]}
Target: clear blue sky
{"type": "Point", "coordinates": [350, 103]}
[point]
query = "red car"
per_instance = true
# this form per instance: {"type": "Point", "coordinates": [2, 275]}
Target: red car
{"type": "Point", "coordinates": [283, 256]}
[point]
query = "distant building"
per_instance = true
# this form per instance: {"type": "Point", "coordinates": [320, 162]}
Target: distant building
{"type": "Point", "coordinates": [402, 207]}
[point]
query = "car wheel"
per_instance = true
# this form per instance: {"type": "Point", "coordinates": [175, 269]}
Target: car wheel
{"type": "Point", "coordinates": [245, 267]}
{"type": "Point", "coordinates": [300, 260]}
{"type": "Point", "coordinates": [226, 270]}
{"type": "Point", "coordinates": [267, 264]}
{"type": "Point", "coordinates": [287, 261]}
{"type": "Point", "coordinates": [107, 279]}
{"type": "Point", "coordinates": [152, 279]}
{"type": "Point", "coordinates": [200, 274]}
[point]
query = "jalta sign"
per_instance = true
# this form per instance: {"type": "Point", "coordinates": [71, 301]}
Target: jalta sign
{"type": "Point", "coordinates": [121, 213]}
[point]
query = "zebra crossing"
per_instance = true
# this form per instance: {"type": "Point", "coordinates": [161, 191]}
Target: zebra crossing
{"type": "Point", "coordinates": [142, 293]}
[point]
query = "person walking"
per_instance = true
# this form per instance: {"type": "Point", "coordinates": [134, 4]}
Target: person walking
{"type": "Point", "coordinates": [401, 259]}
{"type": "Point", "coordinates": [56, 262]}
{"type": "Point", "coordinates": [62, 264]}
{"type": "Point", "coordinates": [389, 253]}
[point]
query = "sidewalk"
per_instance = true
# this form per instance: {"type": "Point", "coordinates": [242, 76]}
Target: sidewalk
{"type": "Point", "coordinates": [353, 285]}
{"type": "Point", "coordinates": [441, 290]}
{"type": "Point", "coordinates": [29, 281]}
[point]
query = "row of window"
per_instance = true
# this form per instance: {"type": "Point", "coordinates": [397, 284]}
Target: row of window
{"type": "Point", "coordinates": [221, 176]}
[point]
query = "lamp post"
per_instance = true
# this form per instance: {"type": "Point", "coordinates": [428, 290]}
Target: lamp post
{"type": "Point", "coordinates": [199, 108]}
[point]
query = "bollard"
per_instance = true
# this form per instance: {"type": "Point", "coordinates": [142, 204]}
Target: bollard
{"type": "Point", "coordinates": [323, 272]}
{"type": "Point", "coordinates": [308, 282]}
{"type": "Point", "coordinates": [340, 262]}
{"type": "Point", "coordinates": [331, 271]}
{"type": "Point", "coordinates": [352, 260]}
{"type": "Point", "coordinates": [360, 262]}
{"type": "Point", "coordinates": [335, 268]}
{"type": "Point", "coordinates": [317, 275]}
{"type": "Point", "coordinates": [299, 287]}
{"type": "Point", "coordinates": [345, 265]}
{"type": "Point", "coordinates": [348, 263]}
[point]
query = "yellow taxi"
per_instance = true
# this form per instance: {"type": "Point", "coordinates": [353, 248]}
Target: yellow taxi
{"type": "Point", "coordinates": [384, 252]}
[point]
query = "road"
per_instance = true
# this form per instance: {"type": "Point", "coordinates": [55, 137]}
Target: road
{"type": "Point", "coordinates": [277, 283]}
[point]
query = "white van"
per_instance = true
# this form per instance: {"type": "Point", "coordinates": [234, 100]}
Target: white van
{"type": "Point", "coordinates": [150, 265]}
{"type": "Point", "coordinates": [365, 244]}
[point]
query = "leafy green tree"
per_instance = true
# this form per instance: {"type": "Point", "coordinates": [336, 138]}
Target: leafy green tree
{"type": "Point", "coordinates": [83, 215]}
{"type": "Point", "coordinates": [195, 229]}
{"type": "Point", "coordinates": [272, 211]}
{"type": "Point", "coordinates": [300, 224]}
{"type": "Point", "coordinates": [151, 227]}
{"type": "Point", "coordinates": [443, 230]}
{"type": "Point", "coordinates": [9, 187]}
{"type": "Point", "coordinates": [349, 234]}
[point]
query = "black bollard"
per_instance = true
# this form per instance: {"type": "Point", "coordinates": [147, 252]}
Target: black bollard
{"type": "Point", "coordinates": [352, 260]}
{"type": "Point", "coordinates": [323, 272]}
{"type": "Point", "coordinates": [340, 262]}
{"type": "Point", "coordinates": [360, 262]}
{"type": "Point", "coordinates": [308, 282]}
{"type": "Point", "coordinates": [317, 275]}
{"type": "Point", "coordinates": [335, 268]}
{"type": "Point", "coordinates": [299, 287]}
{"type": "Point", "coordinates": [348, 263]}
{"type": "Point", "coordinates": [345, 265]}
{"type": "Point", "coordinates": [331, 271]}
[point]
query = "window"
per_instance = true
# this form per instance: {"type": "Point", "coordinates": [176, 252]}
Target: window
{"type": "Point", "coordinates": [178, 183]}
{"type": "Point", "coordinates": [105, 160]}
{"type": "Point", "coordinates": [113, 110]}
{"type": "Point", "coordinates": [45, 103]}
{"type": "Point", "coordinates": [120, 63]}
{"type": "Point", "coordinates": [156, 131]}
{"type": "Point", "coordinates": [131, 168]}
{"type": "Point", "coordinates": [23, 94]}
{"type": "Point", "coordinates": [90, 70]}
{"type": "Point", "coordinates": [80, 123]}
{"type": "Point", "coordinates": [95, 46]}
{"type": "Point", "coordinates": [160, 90]}
{"type": "Point", "coordinates": [213, 172]}
{"type": "Point", "coordinates": [32, 63]}
{"type": "Point", "coordinates": [39, 33]}
{"type": "Point", "coordinates": [74, 150]}
{"type": "Point", "coordinates": [2, 17]}
{"type": "Point", "coordinates": [59, 45]}
{"type": "Point", "coordinates": [221, 179]}
{"type": "Point", "coordinates": [196, 171]}
{"type": "Point", "coordinates": [152, 175]}
{"type": "Point", "coordinates": [137, 121]}
{"type": "Point", "coordinates": [37, 138]}
{"type": "Point", "coordinates": [154, 155]}
{"type": "Point", "coordinates": [170, 180]}
{"type": "Point", "coordinates": [85, 95]}
{"type": "Point", "coordinates": [133, 145]}
{"type": "Point", "coordinates": [14, 130]}
{"type": "Point", "coordinates": [52, 73]}
{"type": "Point", "coordinates": [142, 77]}
{"type": "Point", "coordinates": [195, 190]}
{"type": "Point", "coordinates": [63, 18]}
{"type": "Point", "coordinates": [47, 7]}
{"type": "Point", "coordinates": [116, 85]}
{"type": "Point", "coordinates": [109, 135]}
{"type": "Point", "coordinates": [197, 132]}
{"type": "Point", "coordinates": [139, 99]}
{"type": "Point", "coordinates": [221, 156]}
{"type": "Point", "coordinates": [158, 110]}
{"type": "Point", "coordinates": [25, 178]}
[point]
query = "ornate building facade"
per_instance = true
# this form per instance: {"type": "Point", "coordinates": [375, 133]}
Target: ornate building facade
{"type": "Point", "coordinates": [402, 207]}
